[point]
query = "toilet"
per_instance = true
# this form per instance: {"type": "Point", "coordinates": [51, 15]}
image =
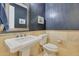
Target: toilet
{"type": "Point", "coordinates": [49, 49]}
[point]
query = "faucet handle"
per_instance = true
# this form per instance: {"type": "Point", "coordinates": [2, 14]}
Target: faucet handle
{"type": "Point", "coordinates": [18, 35]}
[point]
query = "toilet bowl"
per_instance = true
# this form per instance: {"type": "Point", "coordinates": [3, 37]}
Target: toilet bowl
{"type": "Point", "coordinates": [50, 49]}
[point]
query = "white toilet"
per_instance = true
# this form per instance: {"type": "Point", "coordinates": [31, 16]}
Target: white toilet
{"type": "Point", "coordinates": [49, 49]}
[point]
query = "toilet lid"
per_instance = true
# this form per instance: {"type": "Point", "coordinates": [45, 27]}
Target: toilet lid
{"type": "Point", "coordinates": [50, 47]}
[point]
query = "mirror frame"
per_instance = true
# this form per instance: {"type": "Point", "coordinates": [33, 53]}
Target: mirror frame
{"type": "Point", "coordinates": [22, 5]}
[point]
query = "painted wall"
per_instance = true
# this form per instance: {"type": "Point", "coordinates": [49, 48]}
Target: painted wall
{"type": "Point", "coordinates": [62, 16]}
{"type": "Point", "coordinates": [36, 10]}
{"type": "Point", "coordinates": [57, 16]}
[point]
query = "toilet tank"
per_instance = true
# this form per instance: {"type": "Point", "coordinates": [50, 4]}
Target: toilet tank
{"type": "Point", "coordinates": [43, 39]}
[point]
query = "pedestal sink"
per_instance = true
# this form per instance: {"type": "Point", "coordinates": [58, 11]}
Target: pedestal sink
{"type": "Point", "coordinates": [22, 44]}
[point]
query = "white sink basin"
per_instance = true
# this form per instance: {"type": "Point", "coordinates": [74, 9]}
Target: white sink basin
{"type": "Point", "coordinates": [16, 44]}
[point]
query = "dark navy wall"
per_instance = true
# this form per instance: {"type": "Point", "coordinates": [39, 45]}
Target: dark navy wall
{"type": "Point", "coordinates": [62, 16]}
{"type": "Point", "coordinates": [36, 9]}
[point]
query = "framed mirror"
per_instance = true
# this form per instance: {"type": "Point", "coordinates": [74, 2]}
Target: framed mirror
{"type": "Point", "coordinates": [16, 16]}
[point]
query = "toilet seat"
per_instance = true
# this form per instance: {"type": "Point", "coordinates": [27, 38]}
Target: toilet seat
{"type": "Point", "coordinates": [51, 47]}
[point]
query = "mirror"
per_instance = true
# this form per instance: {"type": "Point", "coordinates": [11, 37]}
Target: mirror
{"type": "Point", "coordinates": [14, 17]}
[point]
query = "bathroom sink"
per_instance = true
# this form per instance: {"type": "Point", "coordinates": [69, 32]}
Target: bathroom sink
{"type": "Point", "coordinates": [16, 44]}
